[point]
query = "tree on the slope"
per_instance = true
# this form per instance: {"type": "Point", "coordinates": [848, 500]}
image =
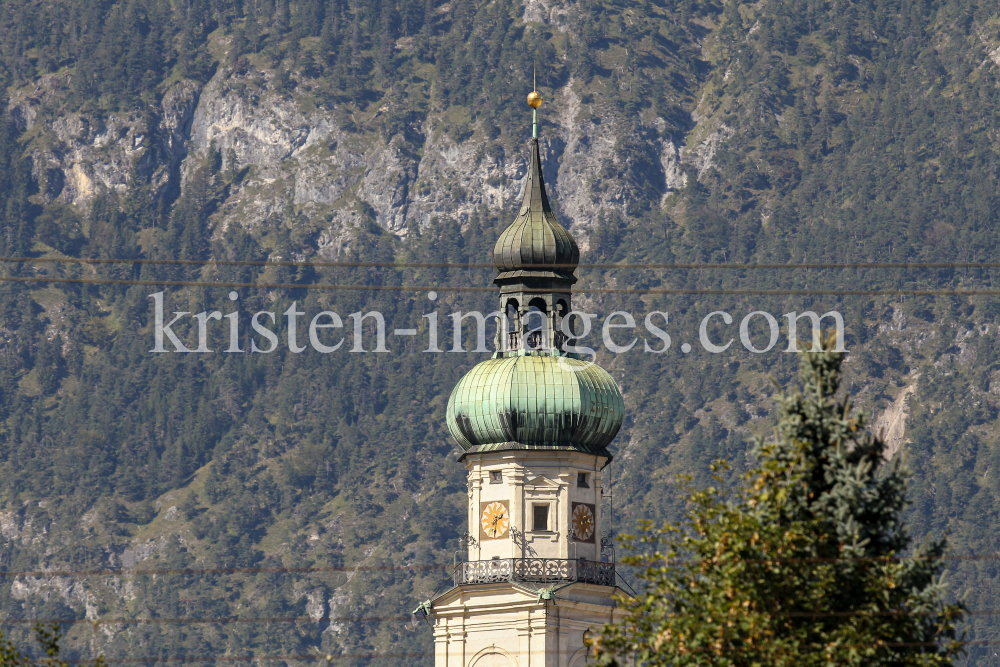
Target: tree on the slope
{"type": "Point", "coordinates": [48, 640]}
{"type": "Point", "coordinates": [806, 563]}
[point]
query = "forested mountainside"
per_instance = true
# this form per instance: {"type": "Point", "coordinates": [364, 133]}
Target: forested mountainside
{"type": "Point", "coordinates": [395, 132]}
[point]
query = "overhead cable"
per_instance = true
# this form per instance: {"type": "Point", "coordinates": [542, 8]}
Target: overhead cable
{"type": "Point", "coordinates": [446, 288]}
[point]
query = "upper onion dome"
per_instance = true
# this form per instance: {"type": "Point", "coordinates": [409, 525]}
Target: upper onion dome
{"type": "Point", "coordinates": [536, 402]}
{"type": "Point", "coordinates": [535, 244]}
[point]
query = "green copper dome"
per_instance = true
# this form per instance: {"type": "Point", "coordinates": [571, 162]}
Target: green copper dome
{"type": "Point", "coordinates": [536, 402]}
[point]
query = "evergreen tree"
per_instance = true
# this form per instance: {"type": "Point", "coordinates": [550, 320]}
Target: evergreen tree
{"type": "Point", "coordinates": [16, 215]}
{"type": "Point", "coordinates": [48, 640]}
{"type": "Point", "coordinates": [805, 564]}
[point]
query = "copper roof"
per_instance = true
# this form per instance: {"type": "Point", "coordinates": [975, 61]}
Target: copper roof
{"type": "Point", "coordinates": [534, 402]}
{"type": "Point", "coordinates": [535, 245]}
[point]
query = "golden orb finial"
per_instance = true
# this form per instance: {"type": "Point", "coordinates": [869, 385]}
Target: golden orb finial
{"type": "Point", "coordinates": [534, 100]}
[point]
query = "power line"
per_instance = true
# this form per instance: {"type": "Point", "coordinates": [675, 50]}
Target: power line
{"type": "Point", "coordinates": [192, 283]}
{"type": "Point", "coordinates": [822, 647]}
{"type": "Point", "coordinates": [833, 559]}
{"type": "Point", "coordinates": [222, 620]}
{"type": "Point", "coordinates": [435, 288]}
{"type": "Point", "coordinates": [248, 658]}
{"type": "Point", "coordinates": [228, 620]}
{"type": "Point", "coordinates": [490, 265]}
{"type": "Point", "coordinates": [124, 572]}
{"type": "Point", "coordinates": [876, 614]}
{"type": "Point", "coordinates": [371, 656]}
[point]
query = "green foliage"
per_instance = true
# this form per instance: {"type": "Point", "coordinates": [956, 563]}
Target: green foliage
{"type": "Point", "coordinates": [16, 212]}
{"type": "Point", "coordinates": [116, 52]}
{"type": "Point", "coordinates": [806, 562]}
{"type": "Point", "coordinates": [48, 641]}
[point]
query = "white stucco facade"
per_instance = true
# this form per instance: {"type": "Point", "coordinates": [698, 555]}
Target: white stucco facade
{"type": "Point", "coordinates": [500, 625]}
{"type": "Point", "coordinates": [508, 623]}
{"type": "Point", "coordinates": [527, 479]}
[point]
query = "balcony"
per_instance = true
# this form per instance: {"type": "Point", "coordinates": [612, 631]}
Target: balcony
{"type": "Point", "coordinates": [534, 571]}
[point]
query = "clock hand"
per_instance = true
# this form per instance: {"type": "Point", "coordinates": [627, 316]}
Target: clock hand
{"type": "Point", "coordinates": [494, 525]}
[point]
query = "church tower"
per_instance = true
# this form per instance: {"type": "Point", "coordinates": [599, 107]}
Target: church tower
{"type": "Point", "coordinates": [534, 422]}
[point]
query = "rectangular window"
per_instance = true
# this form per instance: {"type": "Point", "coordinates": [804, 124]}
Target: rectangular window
{"type": "Point", "coordinates": [582, 480]}
{"type": "Point", "coordinates": [496, 477]}
{"type": "Point", "coordinates": [540, 518]}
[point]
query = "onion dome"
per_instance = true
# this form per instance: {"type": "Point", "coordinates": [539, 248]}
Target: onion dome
{"type": "Point", "coordinates": [535, 393]}
{"type": "Point", "coordinates": [535, 244]}
{"type": "Point", "coordinates": [536, 402]}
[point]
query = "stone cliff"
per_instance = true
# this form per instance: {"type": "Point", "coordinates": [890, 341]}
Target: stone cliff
{"type": "Point", "coordinates": [300, 161]}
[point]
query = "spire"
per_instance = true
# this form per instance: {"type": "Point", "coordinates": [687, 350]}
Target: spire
{"type": "Point", "coordinates": [535, 198]}
{"type": "Point", "coordinates": [535, 240]}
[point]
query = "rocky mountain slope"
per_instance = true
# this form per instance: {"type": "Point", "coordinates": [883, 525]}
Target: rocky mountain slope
{"type": "Point", "coordinates": [314, 497]}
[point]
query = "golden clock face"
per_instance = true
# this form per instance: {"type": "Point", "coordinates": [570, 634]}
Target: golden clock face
{"type": "Point", "coordinates": [495, 520]}
{"type": "Point", "coordinates": [583, 522]}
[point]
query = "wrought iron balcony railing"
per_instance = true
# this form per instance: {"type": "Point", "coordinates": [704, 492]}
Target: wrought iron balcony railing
{"type": "Point", "coordinates": [535, 571]}
{"type": "Point", "coordinates": [534, 340]}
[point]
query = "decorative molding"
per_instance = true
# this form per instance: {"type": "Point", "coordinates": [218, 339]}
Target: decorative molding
{"type": "Point", "coordinates": [493, 650]}
{"type": "Point", "coordinates": [578, 659]}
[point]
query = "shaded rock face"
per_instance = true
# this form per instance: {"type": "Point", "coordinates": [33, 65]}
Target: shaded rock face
{"type": "Point", "coordinates": [304, 162]}
{"type": "Point", "coordinates": [261, 133]}
{"type": "Point", "coordinates": [386, 183]}
{"type": "Point", "coordinates": [458, 178]}
{"type": "Point", "coordinates": [548, 12]}
{"type": "Point", "coordinates": [584, 147]}
{"type": "Point", "coordinates": [80, 156]}
{"type": "Point", "coordinates": [297, 161]}
{"type": "Point", "coordinates": [301, 159]}
{"type": "Point", "coordinates": [891, 424]}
